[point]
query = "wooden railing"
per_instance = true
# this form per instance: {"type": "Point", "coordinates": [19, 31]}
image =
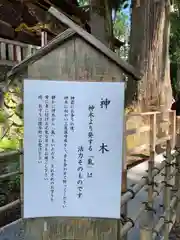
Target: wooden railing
{"type": "Point", "coordinates": [171, 167]}
{"type": "Point", "coordinates": [12, 52]}
{"type": "Point", "coordinates": [7, 158]}
{"type": "Point", "coordinates": [171, 159]}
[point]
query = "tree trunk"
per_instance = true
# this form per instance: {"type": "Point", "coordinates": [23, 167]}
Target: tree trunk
{"type": "Point", "coordinates": [101, 21]}
{"type": "Point", "coordinates": [178, 78]}
{"type": "Point", "coordinates": [149, 52]}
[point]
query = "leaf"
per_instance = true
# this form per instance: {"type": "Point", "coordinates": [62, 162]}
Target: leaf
{"type": "Point", "coordinates": [2, 117]}
{"type": "Point", "coordinates": [6, 144]}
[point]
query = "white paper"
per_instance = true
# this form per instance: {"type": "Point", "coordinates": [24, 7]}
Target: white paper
{"type": "Point", "coordinates": [73, 134]}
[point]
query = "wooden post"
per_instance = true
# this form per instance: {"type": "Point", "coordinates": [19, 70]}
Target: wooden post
{"type": "Point", "coordinates": [147, 225]}
{"type": "Point", "coordinates": [173, 128]}
{"type": "Point", "coordinates": [152, 156]}
{"type": "Point", "coordinates": [124, 184]}
{"type": "Point", "coordinates": [172, 134]}
{"type": "Point", "coordinates": [177, 180]}
{"type": "Point", "coordinates": [43, 38]}
{"type": "Point", "coordinates": [21, 164]}
{"type": "Point", "coordinates": [146, 233]}
{"type": "Point", "coordinates": [166, 196]}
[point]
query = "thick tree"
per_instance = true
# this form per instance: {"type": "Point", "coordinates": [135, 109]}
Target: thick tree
{"type": "Point", "coordinates": [101, 19]}
{"type": "Point", "coordinates": [149, 52]}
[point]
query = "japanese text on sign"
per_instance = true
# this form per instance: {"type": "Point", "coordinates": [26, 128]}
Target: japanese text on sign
{"type": "Point", "coordinates": [73, 135]}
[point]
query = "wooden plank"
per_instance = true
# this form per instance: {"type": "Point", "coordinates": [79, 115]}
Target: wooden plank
{"type": "Point", "coordinates": [41, 52]}
{"type": "Point", "coordinates": [141, 114]}
{"type": "Point", "coordinates": [162, 140]}
{"type": "Point", "coordinates": [21, 168]}
{"type": "Point", "coordinates": [137, 149]}
{"type": "Point", "coordinates": [7, 63]}
{"type": "Point", "coordinates": [95, 67]}
{"type": "Point", "coordinates": [173, 128]}
{"type": "Point", "coordinates": [3, 50]}
{"type": "Point", "coordinates": [13, 42]}
{"type": "Point", "coordinates": [96, 43]}
{"type": "Point", "coordinates": [124, 208]}
{"type": "Point", "coordinates": [18, 53]}
{"type": "Point", "coordinates": [8, 32]}
{"type": "Point", "coordinates": [44, 40]}
{"type": "Point", "coordinates": [6, 29]}
{"type": "Point", "coordinates": [151, 163]}
{"type": "Point", "coordinates": [10, 52]}
{"type": "Point", "coordinates": [133, 131]}
{"type": "Point", "coordinates": [7, 175]}
{"type": "Point", "coordinates": [9, 205]}
{"type": "Point", "coordinates": [5, 155]}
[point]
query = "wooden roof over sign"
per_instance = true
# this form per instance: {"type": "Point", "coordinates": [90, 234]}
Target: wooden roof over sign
{"type": "Point", "coordinates": [64, 36]}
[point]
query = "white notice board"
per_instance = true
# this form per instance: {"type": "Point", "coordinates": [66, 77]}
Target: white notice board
{"type": "Point", "coordinates": [73, 136]}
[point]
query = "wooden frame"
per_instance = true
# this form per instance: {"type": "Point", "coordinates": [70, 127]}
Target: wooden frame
{"type": "Point", "coordinates": [13, 52]}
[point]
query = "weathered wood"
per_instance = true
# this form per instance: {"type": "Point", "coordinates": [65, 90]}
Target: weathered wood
{"type": "Point", "coordinates": [129, 69]}
{"type": "Point", "coordinates": [12, 52]}
{"type": "Point", "coordinates": [9, 205]}
{"type": "Point", "coordinates": [148, 216]}
{"type": "Point", "coordinates": [177, 179]}
{"type": "Point", "coordinates": [21, 169]}
{"type": "Point", "coordinates": [137, 130]}
{"type": "Point", "coordinates": [7, 175]}
{"type": "Point", "coordinates": [73, 60]}
{"type": "Point", "coordinates": [5, 155]}
{"type": "Point", "coordinates": [53, 44]}
{"type": "Point", "coordinates": [6, 29]}
{"type": "Point", "coordinates": [21, 44]}
{"type": "Point", "coordinates": [43, 38]}
{"type": "Point", "coordinates": [173, 128]}
{"type": "Point", "coordinates": [41, 52]}
{"type": "Point", "coordinates": [124, 208]}
{"type": "Point", "coordinates": [3, 50]}
{"type": "Point", "coordinates": [146, 233]}
{"type": "Point", "coordinates": [167, 195]}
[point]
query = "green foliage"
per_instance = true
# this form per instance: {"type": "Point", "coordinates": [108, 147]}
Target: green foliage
{"type": "Point", "coordinates": [2, 116]}
{"type": "Point", "coordinates": [175, 38]}
{"type": "Point", "coordinates": [114, 4]}
{"type": "Point", "coordinates": [174, 49]}
{"type": "Point", "coordinates": [9, 143]}
{"type": "Point", "coordinates": [120, 24]}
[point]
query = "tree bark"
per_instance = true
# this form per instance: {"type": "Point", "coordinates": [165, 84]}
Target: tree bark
{"type": "Point", "coordinates": [149, 52]}
{"type": "Point", "coordinates": [101, 21]}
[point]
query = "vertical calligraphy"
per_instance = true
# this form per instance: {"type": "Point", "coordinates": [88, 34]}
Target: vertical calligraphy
{"type": "Point", "coordinates": [65, 169]}
{"type": "Point", "coordinates": [40, 128]}
{"type": "Point", "coordinates": [53, 145]}
{"type": "Point", "coordinates": [46, 137]}
{"type": "Point", "coordinates": [80, 171]}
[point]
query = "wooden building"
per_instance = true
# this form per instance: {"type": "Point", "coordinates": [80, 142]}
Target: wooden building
{"type": "Point", "coordinates": [24, 20]}
{"type": "Point", "coordinates": [72, 55]}
{"type": "Point", "coordinates": [25, 25]}
{"type": "Point", "coordinates": [21, 27]}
